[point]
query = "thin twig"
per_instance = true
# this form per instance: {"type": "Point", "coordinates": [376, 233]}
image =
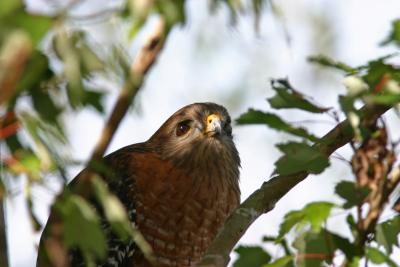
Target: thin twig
{"type": "Point", "coordinates": [313, 121]}
{"type": "Point", "coordinates": [341, 158]}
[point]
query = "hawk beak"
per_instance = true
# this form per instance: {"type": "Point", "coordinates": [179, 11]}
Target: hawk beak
{"type": "Point", "coordinates": [214, 125]}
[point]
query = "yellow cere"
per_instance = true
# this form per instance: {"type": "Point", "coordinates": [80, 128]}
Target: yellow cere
{"type": "Point", "coordinates": [212, 118]}
{"type": "Point", "coordinates": [212, 121]}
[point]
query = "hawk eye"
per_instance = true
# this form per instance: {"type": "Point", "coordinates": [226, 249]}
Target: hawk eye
{"type": "Point", "coordinates": [182, 128]}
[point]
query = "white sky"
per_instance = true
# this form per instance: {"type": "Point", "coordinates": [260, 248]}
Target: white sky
{"type": "Point", "coordinates": [208, 60]}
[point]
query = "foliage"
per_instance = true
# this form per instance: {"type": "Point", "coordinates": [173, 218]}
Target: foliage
{"type": "Point", "coordinates": [375, 83]}
{"type": "Point", "coordinates": [351, 193]}
{"type": "Point", "coordinates": [314, 214]}
{"type": "Point", "coordinates": [50, 64]}
{"type": "Point", "coordinates": [288, 97]}
{"type": "Point", "coordinates": [387, 234]}
{"type": "Point", "coordinates": [82, 227]}
{"type": "Point", "coordinates": [394, 35]}
{"type": "Point", "coordinates": [251, 256]}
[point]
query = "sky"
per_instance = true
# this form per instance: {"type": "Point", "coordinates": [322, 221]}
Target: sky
{"type": "Point", "coordinates": [209, 59]}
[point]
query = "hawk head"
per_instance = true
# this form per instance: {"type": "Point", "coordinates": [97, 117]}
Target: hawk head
{"type": "Point", "coordinates": [198, 135]}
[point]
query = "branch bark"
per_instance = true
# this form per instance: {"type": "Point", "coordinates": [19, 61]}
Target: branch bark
{"type": "Point", "coordinates": [3, 234]}
{"type": "Point", "coordinates": [264, 199]}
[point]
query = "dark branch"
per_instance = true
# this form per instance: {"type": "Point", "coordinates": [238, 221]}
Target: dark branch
{"type": "Point", "coordinates": [3, 234]}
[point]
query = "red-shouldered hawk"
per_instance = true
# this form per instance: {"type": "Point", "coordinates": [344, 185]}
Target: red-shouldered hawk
{"type": "Point", "coordinates": [178, 188]}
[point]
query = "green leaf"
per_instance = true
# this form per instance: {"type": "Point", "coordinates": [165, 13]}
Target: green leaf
{"type": "Point", "coordinates": [355, 262]}
{"type": "Point", "coordinates": [65, 48]}
{"type": "Point", "coordinates": [91, 62]}
{"type": "Point", "coordinates": [290, 220]}
{"type": "Point", "coordinates": [45, 106]}
{"type": "Point", "coordinates": [384, 98]}
{"type": "Point", "coordinates": [378, 257]}
{"type": "Point", "coordinates": [251, 256]}
{"type": "Point", "coordinates": [7, 7]}
{"type": "Point", "coordinates": [2, 188]}
{"type": "Point", "coordinates": [139, 12]}
{"type": "Point", "coordinates": [41, 131]}
{"type": "Point", "coordinates": [378, 68]}
{"type": "Point", "coordinates": [375, 255]}
{"type": "Point", "coordinates": [82, 227]}
{"type": "Point", "coordinates": [280, 262]}
{"type": "Point", "coordinates": [36, 72]}
{"type": "Point", "coordinates": [344, 245]}
{"type": "Point", "coordinates": [48, 139]}
{"type": "Point", "coordinates": [300, 157]}
{"type": "Point", "coordinates": [14, 143]}
{"type": "Point", "coordinates": [136, 26]}
{"type": "Point", "coordinates": [387, 233]}
{"type": "Point", "coordinates": [32, 216]}
{"type": "Point", "coordinates": [315, 214]}
{"type": "Point", "coordinates": [31, 163]}
{"type": "Point", "coordinates": [36, 26]}
{"type": "Point", "coordinates": [287, 97]}
{"type": "Point", "coordinates": [173, 11]}
{"type": "Point", "coordinates": [351, 193]}
{"type": "Point", "coordinates": [329, 62]}
{"type": "Point", "coordinates": [313, 249]}
{"type": "Point", "coordinates": [347, 103]}
{"type": "Point", "coordinates": [394, 35]}
{"type": "Point", "coordinates": [114, 211]}
{"type": "Point", "coordinates": [351, 222]}
{"type": "Point", "coordinates": [273, 121]}
{"type": "Point", "coordinates": [94, 99]}
{"type": "Point", "coordinates": [80, 64]}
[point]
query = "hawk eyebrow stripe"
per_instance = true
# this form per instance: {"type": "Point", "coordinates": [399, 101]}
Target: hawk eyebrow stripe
{"type": "Point", "coordinates": [185, 121]}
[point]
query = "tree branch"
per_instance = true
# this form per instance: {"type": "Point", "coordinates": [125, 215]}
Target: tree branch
{"type": "Point", "coordinates": [394, 179]}
{"type": "Point", "coordinates": [377, 200]}
{"type": "Point", "coordinates": [264, 199]}
{"type": "Point", "coordinates": [3, 234]}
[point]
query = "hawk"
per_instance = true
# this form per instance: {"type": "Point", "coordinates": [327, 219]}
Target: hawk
{"type": "Point", "coordinates": [178, 188]}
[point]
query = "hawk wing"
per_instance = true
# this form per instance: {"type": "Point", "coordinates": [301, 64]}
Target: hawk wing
{"type": "Point", "coordinates": [120, 179]}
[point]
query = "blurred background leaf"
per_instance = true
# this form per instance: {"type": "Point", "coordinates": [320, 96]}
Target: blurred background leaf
{"type": "Point", "coordinates": [251, 256]}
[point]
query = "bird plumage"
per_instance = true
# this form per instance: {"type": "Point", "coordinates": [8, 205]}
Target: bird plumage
{"type": "Point", "coordinates": [178, 187]}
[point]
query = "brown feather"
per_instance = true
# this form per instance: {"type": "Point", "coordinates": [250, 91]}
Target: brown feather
{"type": "Point", "coordinates": [178, 189]}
